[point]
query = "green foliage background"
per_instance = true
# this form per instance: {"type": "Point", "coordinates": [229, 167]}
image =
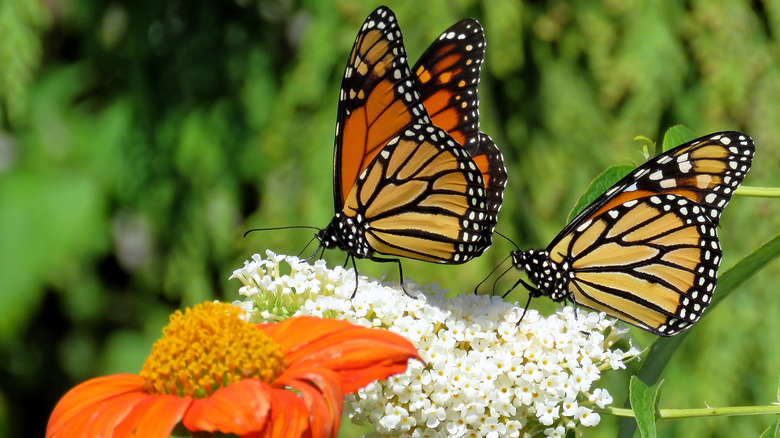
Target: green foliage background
{"type": "Point", "coordinates": [139, 139]}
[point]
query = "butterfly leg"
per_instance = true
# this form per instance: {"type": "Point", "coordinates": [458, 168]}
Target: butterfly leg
{"type": "Point", "coordinates": [316, 251]}
{"type": "Point", "coordinates": [356, 273]}
{"type": "Point", "coordinates": [400, 270]}
{"type": "Point", "coordinates": [532, 293]}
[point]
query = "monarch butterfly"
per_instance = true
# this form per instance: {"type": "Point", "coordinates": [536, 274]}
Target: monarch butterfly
{"type": "Point", "coordinates": [647, 251]}
{"type": "Point", "coordinates": [406, 185]}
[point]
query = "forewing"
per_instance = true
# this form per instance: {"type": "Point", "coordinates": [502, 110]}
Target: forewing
{"type": "Point", "coordinates": [706, 171]}
{"type": "Point", "coordinates": [447, 77]}
{"type": "Point", "coordinates": [377, 100]}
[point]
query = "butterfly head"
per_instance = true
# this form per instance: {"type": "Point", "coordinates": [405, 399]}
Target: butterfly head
{"type": "Point", "coordinates": [346, 233]}
{"type": "Point", "coordinates": [551, 278]}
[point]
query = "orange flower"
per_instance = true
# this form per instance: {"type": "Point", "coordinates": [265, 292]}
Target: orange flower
{"type": "Point", "coordinates": [213, 372]}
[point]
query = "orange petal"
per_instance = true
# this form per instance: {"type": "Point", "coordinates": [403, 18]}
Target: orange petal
{"type": "Point", "coordinates": [321, 390]}
{"type": "Point", "coordinates": [109, 415]}
{"type": "Point", "coordinates": [360, 355]}
{"type": "Point", "coordinates": [240, 408]}
{"type": "Point", "coordinates": [289, 415]}
{"type": "Point", "coordinates": [155, 417]}
{"type": "Point", "coordinates": [78, 404]}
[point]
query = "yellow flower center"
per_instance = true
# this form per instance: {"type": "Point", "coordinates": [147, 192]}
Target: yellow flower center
{"type": "Point", "coordinates": [209, 347]}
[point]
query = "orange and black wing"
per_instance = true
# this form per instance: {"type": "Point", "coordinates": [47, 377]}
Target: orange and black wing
{"type": "Point", "coordinates": [377, 100]}
{"type": "Point", "coordinates": [490, 163]}
{"type": "Point", "coordinates": [422, 198]}
{"type": "Point", "coordinates": [647, 250]}
{"type": "Point", "coordinates": [706, 171]}
{"type": "Point", "coordinates": [651, 262]}
{"type": "Point", "coordinates": [447, 77]}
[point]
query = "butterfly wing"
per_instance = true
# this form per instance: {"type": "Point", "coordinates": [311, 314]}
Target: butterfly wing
{"type": "Point", "coordinates": [377, 100]}
{"type": "Point", "coordinates": [706, 170]}
{"type": "Point", "coordinates": [647, 251]}
{"type": "Point", "coordinates": [447, 77]}
{"type": "Point", "coordinates": [490, 163]}
{"type": "Point", "coordinates": [651, 262]}
{"type": "Point", "coordinates": [422, 198]}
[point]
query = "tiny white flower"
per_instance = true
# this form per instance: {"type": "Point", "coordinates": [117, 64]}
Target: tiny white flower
{"type": "Point", "coordinates": [601, 397]}
{"type": "Point", "coordinates": [484, 374]}
{"type": "Point", "coordinates": [555, 432]}
{"type": "Point", "coordinates": [547, 412]}
{"type": "Point", "coordinates": [586, 416]}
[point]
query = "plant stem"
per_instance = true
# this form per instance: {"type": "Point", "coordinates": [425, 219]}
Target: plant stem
{"type": "Point", "coordinates": [764, 192]}
{"type": "Point", "coordinates": [728, 411]}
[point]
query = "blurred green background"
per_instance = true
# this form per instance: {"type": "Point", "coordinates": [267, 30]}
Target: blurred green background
{"type": "Point", "coordinates": [140, 139]}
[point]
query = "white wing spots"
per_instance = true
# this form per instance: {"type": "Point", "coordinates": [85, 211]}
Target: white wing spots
{"type": "Point", "coordinates": [704, 180]}
{"type": "Point", "coordinates": [631, 203]}
{"type": "Point", "coordinates": [725, 140]}
{"type": "Point", "coordinates": [668, 183]}
{"type": "Point", "coordinates": [685, 166]}
{"type": "Point", "coordinates": [655, 176]}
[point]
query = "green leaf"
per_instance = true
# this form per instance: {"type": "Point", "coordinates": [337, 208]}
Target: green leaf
{"type": "Point", "coordinates": [677, 135]}
{"type": "Point", "coordinates": [772, 431]}
{"type": "Point", "coordinates": [663, 348]}
{"type": "Point", "coordinates": [598, 186]}
{"type": "Point", "coordinates": [643, 402]}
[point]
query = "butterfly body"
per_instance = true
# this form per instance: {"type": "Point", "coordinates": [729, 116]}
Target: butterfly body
{"type": "Point", "coordinates": [647, 250]}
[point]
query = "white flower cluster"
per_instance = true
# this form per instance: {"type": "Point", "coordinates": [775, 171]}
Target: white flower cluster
{"type": "Point", "coordinates": [484, 375]}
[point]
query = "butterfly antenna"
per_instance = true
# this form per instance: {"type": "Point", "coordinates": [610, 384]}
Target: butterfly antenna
{"type": "Point", "coordinates": [280, 228]}
{"type": "Point", "coordinates": [507, 239]}
{"type": "Point", "coordinates": [476, 288]}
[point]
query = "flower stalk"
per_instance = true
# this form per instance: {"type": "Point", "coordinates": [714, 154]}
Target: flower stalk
{"type": "Point", "coordinates": [726, 411]}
